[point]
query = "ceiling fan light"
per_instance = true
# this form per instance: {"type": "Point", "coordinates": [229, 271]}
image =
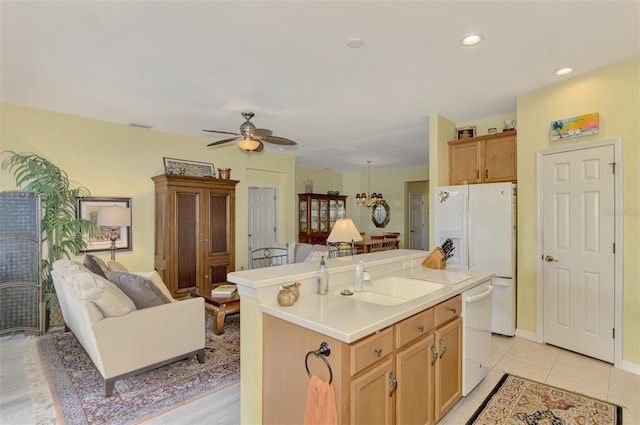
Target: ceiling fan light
{"type": "Point", "coordinates": [248, 144]}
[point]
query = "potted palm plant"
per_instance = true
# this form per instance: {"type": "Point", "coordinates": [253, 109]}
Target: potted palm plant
{"type": "Point", "coordinates": [61, 229]}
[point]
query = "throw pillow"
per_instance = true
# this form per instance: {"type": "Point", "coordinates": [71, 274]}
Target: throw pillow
{"type": "Point", "coordinates": [96, 265]}
{"type": "Point", "coordinates": [157, 280]}
{"type": "Point", "coordinates": [114, 266]}
{"type": "Point", "coordinates": [110, 300]}
{"type": "Point", "coordinates": [142, 291]}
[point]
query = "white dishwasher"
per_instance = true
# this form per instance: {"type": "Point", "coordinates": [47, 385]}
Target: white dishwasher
{"type": "Point", "coordinates": [476, 335]}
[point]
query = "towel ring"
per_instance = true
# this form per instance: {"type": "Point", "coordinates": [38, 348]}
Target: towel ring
{"type": "Point", "coordinates": [321, 352]}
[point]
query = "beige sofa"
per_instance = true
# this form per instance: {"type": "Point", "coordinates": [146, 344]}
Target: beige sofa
{"type": "Point", "coordinates": [121, 339]}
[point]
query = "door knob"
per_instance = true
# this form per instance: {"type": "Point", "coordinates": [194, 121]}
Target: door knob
{"type": "Point", "coordinates": [550, 259]}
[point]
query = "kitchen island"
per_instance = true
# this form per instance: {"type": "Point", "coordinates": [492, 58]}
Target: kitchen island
{"type": "Point", "coordinates": [340, 319]}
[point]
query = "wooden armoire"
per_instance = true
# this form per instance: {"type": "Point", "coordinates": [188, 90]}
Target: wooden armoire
{"type": "Point", "coordinates": [194, 231]}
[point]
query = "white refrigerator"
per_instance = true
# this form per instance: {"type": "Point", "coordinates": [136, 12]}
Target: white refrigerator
{"type": "Point", "coordinates": [480, 219]}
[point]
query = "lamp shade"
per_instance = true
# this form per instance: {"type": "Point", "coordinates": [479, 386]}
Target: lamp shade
{"type": "Point", "coordinates": [344, 231]}
{"type": "Point", "coordinates": [248, 144]}
{"type": "Point", "coordinates": [114, 216]}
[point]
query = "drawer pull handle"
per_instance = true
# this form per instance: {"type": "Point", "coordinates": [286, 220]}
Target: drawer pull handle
{"type": "Point", "coordinates": [435, 355]}
{"type": "Point", "coordinates": [452, 310]}
{"type": "Point", "coordinates": [378, 351]}
{"type": "Point", "coordinates": [420, 328]}
{"type": "Point", "coordinates": [394, 382]}
{"type": "Point", "coordinates": [444, 348]}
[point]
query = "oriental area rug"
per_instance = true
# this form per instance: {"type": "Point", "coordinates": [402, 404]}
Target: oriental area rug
{"type": "Point", "coordinates": [77, 388]}
{"type": "Point", "coordinates": [516, 400]}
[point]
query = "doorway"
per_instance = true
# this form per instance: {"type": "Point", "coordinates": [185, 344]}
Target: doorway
{"type": "Point", "coordinates": [579, 274]}
{"type": "Point", "coordinates": [417, 230]}
{"type": "Point", "coordinates": [263, 217]}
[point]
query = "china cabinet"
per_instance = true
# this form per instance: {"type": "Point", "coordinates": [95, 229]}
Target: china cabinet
{"type": "Point", "coordinates": [483, 159]}
{"type": "Point", "coordinates": [316, 214]}
{"type": "Point", "coordinates": [194, 232]}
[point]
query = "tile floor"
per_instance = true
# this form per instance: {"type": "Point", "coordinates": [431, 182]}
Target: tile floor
{"type": "Point", "coordinates": [557, 367]}
{"type": "Point", "coordinates": [543, 363]}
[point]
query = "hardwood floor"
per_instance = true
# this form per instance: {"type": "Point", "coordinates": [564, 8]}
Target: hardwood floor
{"type": "Point", "coordinates": [540, 362]}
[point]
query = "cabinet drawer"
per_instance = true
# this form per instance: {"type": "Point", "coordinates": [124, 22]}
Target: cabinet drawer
{"type": "Point", "coordinates": [447, 310]}
{"type": "Point", "coordinates": [414, 327]}
{"type": "Point", "coordinates": [371, 349]}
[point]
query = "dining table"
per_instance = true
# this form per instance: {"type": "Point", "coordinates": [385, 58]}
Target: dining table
{"type": "Point", "coordinates": [363, 246]}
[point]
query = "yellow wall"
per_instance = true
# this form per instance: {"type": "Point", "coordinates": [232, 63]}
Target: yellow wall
{"type": "Point", "coordinates": [613, 92]}
{"type": "Point", "coordinates": [119, 160]}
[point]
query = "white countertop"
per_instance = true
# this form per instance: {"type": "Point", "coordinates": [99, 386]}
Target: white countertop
{"type": "Point", "coordinates": [343, 317]}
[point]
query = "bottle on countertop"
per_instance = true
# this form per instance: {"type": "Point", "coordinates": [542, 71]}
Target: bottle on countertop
{"type": "Point", "coordinates": [357, 287]}
{"type": "Point", "coordinates": [323, 278]}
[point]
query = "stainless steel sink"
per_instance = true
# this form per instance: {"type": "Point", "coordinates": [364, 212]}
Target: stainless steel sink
{"type": "Point", "coordinates": [393, 290]}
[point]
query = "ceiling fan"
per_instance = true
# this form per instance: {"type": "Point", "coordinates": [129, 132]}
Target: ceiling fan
{"type": "Point", "coordinates": [251, 138]}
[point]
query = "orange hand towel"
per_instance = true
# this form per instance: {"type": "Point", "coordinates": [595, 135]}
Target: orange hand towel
{"type": "Point", "coordinates": [321, 403]}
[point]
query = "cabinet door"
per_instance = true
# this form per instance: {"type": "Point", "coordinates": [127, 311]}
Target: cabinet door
{"type": "Point", "coordinates": [371, 396]}
{"type": "Point", "coordinates": [499, 158]}
{"type": "Point", "coordinates": [315, 217]}
{"type": "Point", "coordinates": [302, 214]}
{"type": "Point", "coordinates": [448, 367]}
{"type": "Point", "coordinates": [415, 397]}
{"type": "Point", "coordinates": [324, 215]}
{"type": "Point", "coordinates": [464, 163]}
{"type": "Point", "coordinates": [216, 240]}
{"type": "Point", "coordinates": [187, 204]}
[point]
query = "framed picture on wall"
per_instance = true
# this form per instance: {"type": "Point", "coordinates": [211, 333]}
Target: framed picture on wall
{"type": "Point", "coordinates": [465, 132]}
{"type": "Point", "coordinates": [99, 238]}
{"type": "Point", "coordinates": [188, 168]}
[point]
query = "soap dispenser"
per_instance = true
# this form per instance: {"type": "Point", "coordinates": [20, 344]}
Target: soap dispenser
{"type": "Point", "coordinates": [357, 287]}
{"type": "Point", "coordinates": [323, 278]}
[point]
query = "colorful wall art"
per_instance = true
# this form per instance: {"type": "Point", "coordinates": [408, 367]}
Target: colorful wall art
{"type": "Point", "coordinates": [581, 125]}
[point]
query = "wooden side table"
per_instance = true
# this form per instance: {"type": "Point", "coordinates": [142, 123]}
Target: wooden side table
{"type": "Point", "coordinates": [219, 307]}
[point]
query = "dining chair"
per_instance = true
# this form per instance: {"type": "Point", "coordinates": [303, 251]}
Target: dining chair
{"type": "Point", "coordinates": [376, 243]}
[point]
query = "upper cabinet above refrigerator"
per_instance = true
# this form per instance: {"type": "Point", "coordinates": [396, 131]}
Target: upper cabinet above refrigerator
{"type": "Point", "coordinates": [483, 159]}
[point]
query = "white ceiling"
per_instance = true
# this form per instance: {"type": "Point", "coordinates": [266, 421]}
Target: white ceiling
{"type": "Point", "coordinates": [183, 66]}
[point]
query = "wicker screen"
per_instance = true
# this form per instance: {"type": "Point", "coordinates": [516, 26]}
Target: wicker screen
{"type": "Point", "coordinates": [20, 291]}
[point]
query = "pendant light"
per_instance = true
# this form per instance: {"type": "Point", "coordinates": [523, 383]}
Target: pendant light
{"type": "Point", "coordinates": [368, 199]}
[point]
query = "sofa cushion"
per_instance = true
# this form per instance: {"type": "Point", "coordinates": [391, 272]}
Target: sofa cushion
{"type": "Point", "coordinates": [154, 277]}
{"type": "Point", "coordinates": [110, 300]}
{"type": "Point", "coordinates": [96, 265]}
{"type": "Point", "coordinates": [141, 290]}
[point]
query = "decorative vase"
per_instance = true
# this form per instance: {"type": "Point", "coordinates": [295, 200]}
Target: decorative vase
{"type": "Point", "coordinates": [286, 297]}
{"type": "Point", "coordinates": [308, 188]}
{"type": "Point", "coordinates": [224, 173]}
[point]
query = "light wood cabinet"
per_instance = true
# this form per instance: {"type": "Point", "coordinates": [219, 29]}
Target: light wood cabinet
{"type": "Point", "coordinates": [483, 159]}
{"type": "Point", "coordinates": [194, 231]}
{"type": "Point", "coordinates": [394, 376]}
{"type": "Point", "coordinates": [317, 214]}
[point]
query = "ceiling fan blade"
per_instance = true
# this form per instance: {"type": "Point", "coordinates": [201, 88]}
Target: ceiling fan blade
{"type": "Point", "coordinates": [279, 141]}
{"type": "Point", "coordinates": [262, 132]}
{"type": "Point", "coordinates": [219, 142]}
{"type": "Point", "coordinates": [222, 132]}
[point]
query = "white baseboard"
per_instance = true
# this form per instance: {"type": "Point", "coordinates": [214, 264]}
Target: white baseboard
{"type": "Point", "coordinates": [630, 367]}
{"type": "Point", "coordinates": [531, 336]}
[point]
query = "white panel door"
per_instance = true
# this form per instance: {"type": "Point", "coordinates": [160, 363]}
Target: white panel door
{"type": "Point", "coordinates": [262, 217]}
{"type": "Point", "coordinates": [578, 201]}
{"type": "Point", "coordinates": [417, 237]}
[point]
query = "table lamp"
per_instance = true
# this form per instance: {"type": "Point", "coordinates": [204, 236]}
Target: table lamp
{"type": "Point", "coordinates": [344, 233]}
{"type": "Point", "coordinates": [114, 217]}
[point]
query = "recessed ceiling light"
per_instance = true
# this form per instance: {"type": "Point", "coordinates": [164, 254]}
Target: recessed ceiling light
{"type": "Point", "coordinates": [563, 71]}
{"type": "Point", "coordinates": [471, 39]}
{"type": "Point", "coordinates": [355, 43]}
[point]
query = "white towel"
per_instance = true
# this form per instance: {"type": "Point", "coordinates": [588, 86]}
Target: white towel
{"type": "Point", "coordinates": [321, 403]}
